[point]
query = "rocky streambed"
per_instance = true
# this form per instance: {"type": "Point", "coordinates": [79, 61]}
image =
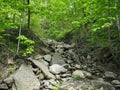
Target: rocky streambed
{"type": "Point", "coordinates": [59, 69]}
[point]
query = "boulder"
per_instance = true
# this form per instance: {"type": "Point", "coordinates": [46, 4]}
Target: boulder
{"type": "Point", "coordinates": [38, 57]}
{"type": "Point", "coordinates": [110, 75]}
{"type": "Point", "coordinates": [47, 57]}
{"type": "Point", "coordinates": [116, 82]}
{"type": "Point", "coordinates": [9, 80]}
{"type": "Point", "coordinates": [87, 85]}
{"type": "Point", "coordinates": [3, 86]}
{"type": "Point", "coordinates": [57, 69]}
{"type": "Point", "coordinates": [44, 68]}
{"type": "Point", "coordinates": [24, 79]}
{"type": "Point", "coordinates": [78, 73]}
{"type": "Point", "coordinates": [57, 59]}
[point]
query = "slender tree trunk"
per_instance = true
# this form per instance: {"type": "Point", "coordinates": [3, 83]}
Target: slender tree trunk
{"type": "Point", "coordinates": [117, 19]}
{"type": "Point", "coordinates": [24, 13]}
{"type": "Point", "coordinates": [18, 45]}
{"type": "Point", "coordinates": [83, 25]}
{"type": "Point", "coordinates": [109, 34]}
{"type": "Point", "coordinates": [28, 15]}
{"type": "Point", "coordinates": [13, 18]}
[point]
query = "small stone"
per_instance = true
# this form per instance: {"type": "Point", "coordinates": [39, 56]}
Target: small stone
{"type": "Point", "coordinates": [87, 74]}
{"type": "Point", "coordinates": [38, 72]}
{"type": "Point", "coordinates": [78, 73]}
{"type": "Point", "coordinates": [38, 57]}
{"type": "Point", "coordinates": [65, 75]}
{"type": "Point", "coordinates": [77, 66]}
{"type": "Point", "coordinates": [115, 82]}
{"type": "Point", "coordinates": [117, 87]}
{"type": "Point", "coordinates": [110, 75]}
{"type": "Point", "coordinates": [58, 77]}
{"type": "Point", "coordinates": [53, 82]}
{"type": "Point", "coordinates": [88, 57]}
{"type": "Point", "coordinates": [47, 57]}
{"type": "Point", "coordinates": [9, 80]}
{"type": "Point", "coordinates": [10, 61]}
{"type": "Point", "coordinates": [41, 76]}
{"type": "Point", "coordinates": [100, 79]}
{"type": "Point", "coordinates": [35, 69]}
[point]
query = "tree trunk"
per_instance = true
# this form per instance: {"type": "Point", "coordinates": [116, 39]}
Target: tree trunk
{"type": "Point", "coordinates": [28, 15]}
{"type": "Point", "coordinates": [109, 34]}
{"type": "Point", "coordinates": [13, 18]}
{"type": "Point", "coordinates": [117, 19]}
{"type": "Point", "coordinates": [18, 45]}
{"type": "Point", "coordinates": [24, 13]}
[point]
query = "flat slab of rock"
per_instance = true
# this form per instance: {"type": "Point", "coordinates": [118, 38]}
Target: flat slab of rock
{"type": "Point", "coordinates": [57, 59]}
{"type": "Point", "coordinates": [44, 68]}
{"type": "Point", "coordinates": [24, 79]}
{"type": "Point", "coordinates": [57, 69]}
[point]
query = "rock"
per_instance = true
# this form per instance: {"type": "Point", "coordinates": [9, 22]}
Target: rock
{"type": "Point", "coordinates": [38, 72]}
{"type": "Point", "coordinates": [66, 79]}
{"type": "Point", "coordinates": [10, 61]}
{"type": "Point", "coordinates": [110, 75]}
{"type": "Point", "coordinates": [77, 66]}
{"type": "Point", "coordinates": [88, 57]}
{"type": "Point", "coordinates": [67, 46]}
{"type": "Point", "coordinates": [59, 50]}
{"type": "Point", "coordinates": [105, 85]}
{"type": "Point", "coordinates": [3, 87]}
{"type": "Point", "coordinates": [87, 74]}
{"type": "Point", "coordinates": [46, 84]}
{"type": "Point", "coordinates": [78, 73]}
{"type": "Point", "coordinates": [24, 79]}
{"type": "Point", "coordinates": [100, 79]}
{"type": "Point", "coordinates": [66, 75]}
{"type": "Point", "coordinates": [43, 62]}
{"type": "Point", "coordinates": [40, 76]}
{"type": "Point", "coordinates": [45, 50]}
{"type": "Point", "coordinates": [44, 68]}
{"type": "Point", "coordinates": [117, 87]}
{"type": "Point", "coordinates": [47, 57]}
{"type": "Point", "coordinates": [53, 82]}
{"type": "Point", "coordinates": [9, 80]}
{"type": "Point", "coordinates": [57, 59]}
{"type": "Point", "coordinates": [115, 82]}
{"type": "Point", "coordinates": [87, 85]}
{"type": "Point", "coordinates": [35, 70]}
{"type": "Point", "coordinates": [57, 77]}
{"type": "Point", "coordinates": [57, 69]}
{"type": "Point", "coordinates": [38, 57]}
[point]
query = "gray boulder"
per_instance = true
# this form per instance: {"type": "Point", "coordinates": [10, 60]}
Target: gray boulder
{"type": "Point", "coordinates": [110, 75]}
{"type": "Point", "coordinates": [44, 68]}
{"type": "Point", "coordinates": [116, 82]}
{"type": "Point", "coordinates": [3, 86]}
{"type": "Point", "coordinates": [47, 57]}
{"type": "Point", "coordinates": [57, 59]}
{"type": "Point", "coordinates": [87, 85]}
{"type": "Point", "coordinates": [57, 69]}
{"type": "Point", "coordinates": [24, 79]}
{"type": "Point", "coordinates": [78, 73]}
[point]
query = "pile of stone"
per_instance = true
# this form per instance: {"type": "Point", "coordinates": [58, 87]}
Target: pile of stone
{"type": "Point", "coordinates": [58, 70]}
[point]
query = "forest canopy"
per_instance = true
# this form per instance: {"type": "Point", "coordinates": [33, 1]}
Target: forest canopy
{"type": "Point", "coordinates": [95, 21]}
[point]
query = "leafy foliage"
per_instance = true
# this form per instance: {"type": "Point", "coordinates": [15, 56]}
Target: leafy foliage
{"type": "Point", "coordinates": [27, 44]}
